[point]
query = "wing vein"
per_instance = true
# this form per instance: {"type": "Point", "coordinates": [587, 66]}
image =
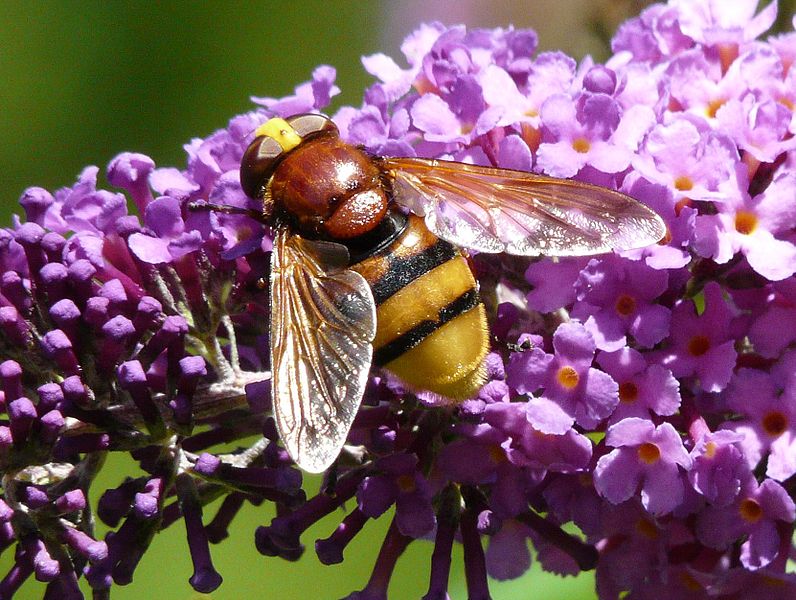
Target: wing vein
{"type": "Point", "coordinates": [499, 210]}
{"type": "Point", "coordinates": [323, 324]}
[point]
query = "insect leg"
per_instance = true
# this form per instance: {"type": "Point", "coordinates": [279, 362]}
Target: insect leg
{"type": "Point", "coordinates": [201, 205]}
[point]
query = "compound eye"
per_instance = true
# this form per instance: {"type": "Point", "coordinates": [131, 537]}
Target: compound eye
{"type": "Point", "coordinates": [309, 124]}
{"type": "Point", "coordinates": [258, 164]}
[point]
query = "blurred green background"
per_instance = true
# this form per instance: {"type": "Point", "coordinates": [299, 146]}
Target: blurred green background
{"type": "Point", "coordinates": [83, 81]}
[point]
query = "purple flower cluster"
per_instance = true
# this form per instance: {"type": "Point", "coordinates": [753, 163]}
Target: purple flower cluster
{"type": "Point", "coordinates": [648, 397]}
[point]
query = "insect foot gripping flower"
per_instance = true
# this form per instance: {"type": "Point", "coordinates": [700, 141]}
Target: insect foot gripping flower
{"type": "Point", "coordinates": [631, 411]}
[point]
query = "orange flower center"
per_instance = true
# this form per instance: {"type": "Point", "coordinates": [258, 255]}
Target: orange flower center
{"type": "Point", "coordinates": [625, 305]}
{"type": "Point", "coordinates": [750, 510]}
{"type": "Point", "coordinates": [710, 449]}
{"type": "Point", "coordinates": [581, 145]}
{"type": "Point", "coordinates": [496, 454]}
{"type": "Point", "coordinates": [698, 345]}
{"type": "Point", "coordinates": [406, 483]}
{"type": "Point", "coordinates": [775, 423]}
{"type": "Point", "coordinates": [628, 392]}
{"type": "Point", "coordinates": [567, 377]}
{"type": "Point", "coordinates": [745, 222]}
{"type": "Point", "coordinates": [713, 106]}
{"type": "Point", "coordinates": [649, 453]}
{"type": "Point", "coordinates": [647, 529]}
{"type": "Point", "coordinates": [683, 183]}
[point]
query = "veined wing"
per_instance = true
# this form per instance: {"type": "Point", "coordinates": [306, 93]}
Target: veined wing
{"type": "Point", "coordinates": [323, 321]}
{"type": "Point", "coordinates": [501, 210]}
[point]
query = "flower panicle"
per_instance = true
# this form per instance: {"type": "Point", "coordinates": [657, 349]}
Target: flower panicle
{"type": "Point", "coordinates": [645, 397]}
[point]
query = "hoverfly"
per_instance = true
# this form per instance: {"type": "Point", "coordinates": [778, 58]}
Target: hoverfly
{"type": "Point", "coordinates": [356, 280]}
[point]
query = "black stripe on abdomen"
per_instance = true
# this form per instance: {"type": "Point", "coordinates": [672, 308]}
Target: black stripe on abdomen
{"type": "Point", "coordinates": [411, 338]}
{"type": "Point", "coordinates": [403, 270]}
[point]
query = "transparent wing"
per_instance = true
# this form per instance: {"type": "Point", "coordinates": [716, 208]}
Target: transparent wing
{"type": "Point", "coordinates": [323, 321]}
{"type": "Point", "coordinates": [500, 210]}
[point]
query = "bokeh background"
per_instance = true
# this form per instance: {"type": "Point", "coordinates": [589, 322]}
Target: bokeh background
{"type": "Point", "coordinates": [82, 81]}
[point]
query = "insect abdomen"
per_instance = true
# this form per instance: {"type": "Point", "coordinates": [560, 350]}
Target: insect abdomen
{"type": "Point", "coordinates": [431, 325]}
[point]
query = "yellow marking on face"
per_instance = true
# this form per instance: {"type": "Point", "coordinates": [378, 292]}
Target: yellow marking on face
{"type": "Point", "coordinates": [281, 131]}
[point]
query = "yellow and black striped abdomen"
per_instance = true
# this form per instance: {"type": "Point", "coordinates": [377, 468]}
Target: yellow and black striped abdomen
{"type": "Point", "coordinates": [431, 325]}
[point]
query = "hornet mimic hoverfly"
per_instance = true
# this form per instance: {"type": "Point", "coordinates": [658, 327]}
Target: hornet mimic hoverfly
{"type": "Point", "coordinates": [356, 280]}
